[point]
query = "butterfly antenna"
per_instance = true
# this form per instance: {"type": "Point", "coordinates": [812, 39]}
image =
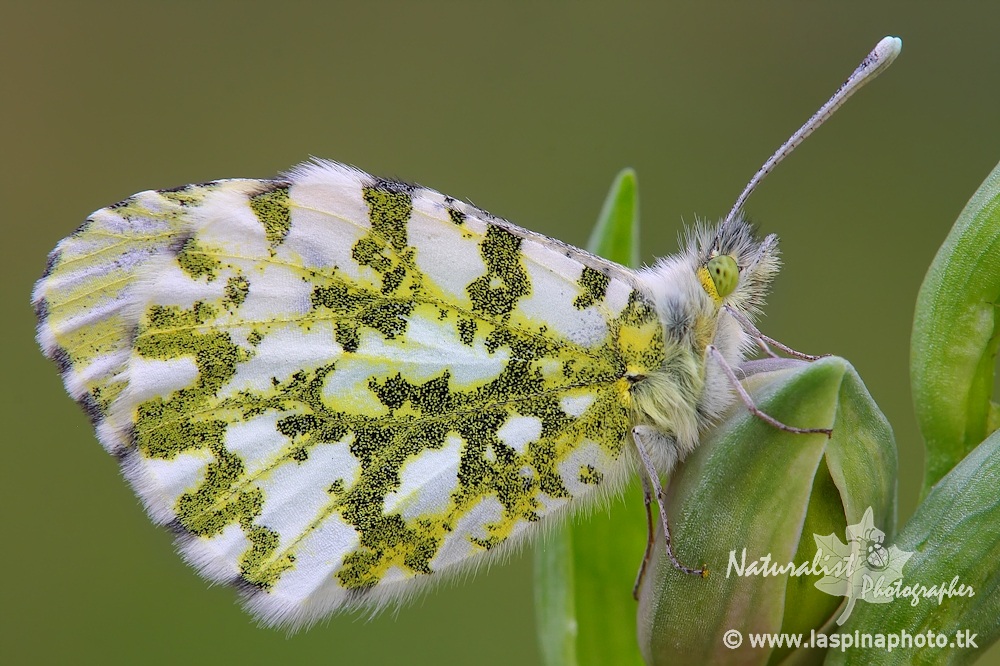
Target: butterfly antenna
{"type": "Point", "coordinates": [874, 64]}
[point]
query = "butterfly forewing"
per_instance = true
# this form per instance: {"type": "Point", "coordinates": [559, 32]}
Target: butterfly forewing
{"type": "Point", "coordinates": [332, 385]}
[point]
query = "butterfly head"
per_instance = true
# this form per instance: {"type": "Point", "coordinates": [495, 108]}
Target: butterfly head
{"type": "Point", "coordinates": [720, 276]}
{"type": "Point", "coordinates": [734, 267]}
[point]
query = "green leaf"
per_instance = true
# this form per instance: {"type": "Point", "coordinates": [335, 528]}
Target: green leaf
{"type": "Point", "coordinates": [616, 234]}
{"type": "Point", "coordinates": [584, 572]}
{"type": "Point", "coordinates": [555, 607]}
{"type": "Point", "coordinates": [955, 336]}
{"type": "Point", "coordinates": [954, 533]}
{"type": "Point", "coordinates": [750, 485]}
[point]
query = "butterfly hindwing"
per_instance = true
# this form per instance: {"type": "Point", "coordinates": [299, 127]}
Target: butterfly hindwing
{"type": "Point", "coordinates": [333, 386]}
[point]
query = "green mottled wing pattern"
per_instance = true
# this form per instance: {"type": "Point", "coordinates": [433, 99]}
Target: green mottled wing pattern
{"type": "Point", "coordinates": [335, 388]}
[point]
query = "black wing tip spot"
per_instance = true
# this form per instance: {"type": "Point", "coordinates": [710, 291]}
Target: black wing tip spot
{"type": "Point", "coordinates": [272, 185]}
{"type": "Point", "coordinates": [119, 204]}
{"type": "Point", "coordinates": [122, 454]}
{"type": "Point", "coordinates": [186, 187]}
{"type": "Point", "coordinates": [50, 263]}
{"type": "Point", "coordinates": [247, 588]}
{"type": "Point", "coordinates": [184, 195]}
{"type": "Point", "coordinates": [82, 229]}
{"type": "Point", "coordinates": [177, 245]}
{"type": "Point", "coordinates": [91, 408]}
{"type": "Point", "coordinates": [393, 186]}
{"type": "Point", "coordinates": [130, 448]}
{"type": "Point", "coordinates": [62, 360]}
{"type": "Point", "coordinates": [358, 594]}
{"type": "Point", "coordinates": [41, 308]}
{"type": "Point", "coordinates": [132, 334]}
{"type": "Point", "coordinates": [176, 527]}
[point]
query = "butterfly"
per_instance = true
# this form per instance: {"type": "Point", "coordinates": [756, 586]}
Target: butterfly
{"type": "Point", "coordinates": [336, 389]}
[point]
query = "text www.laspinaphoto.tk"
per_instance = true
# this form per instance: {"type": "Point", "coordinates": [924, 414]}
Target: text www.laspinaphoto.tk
{"type": "Point", "coordinates": [961, 639]}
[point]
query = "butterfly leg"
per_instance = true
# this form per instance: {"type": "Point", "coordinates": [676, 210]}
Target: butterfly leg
{"type": "Point", "coordinates": [652, 477]}
{"type": "Point", "coordinates": [764, 341]}
{"type": "Point", "coordinates": [712, 351]}
{"type": "Point", "coordinates": [647, 499]}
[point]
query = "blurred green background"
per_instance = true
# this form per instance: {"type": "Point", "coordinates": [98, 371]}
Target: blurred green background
{"type": "Point", "coordinates": [526, 110]}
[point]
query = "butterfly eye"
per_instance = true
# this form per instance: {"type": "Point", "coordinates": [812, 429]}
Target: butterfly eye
{"type": "Point", "coordinates": [725, 274]}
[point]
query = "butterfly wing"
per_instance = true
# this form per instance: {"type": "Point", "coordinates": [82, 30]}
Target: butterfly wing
{"type": "Point", "coordinates": [335, 388]}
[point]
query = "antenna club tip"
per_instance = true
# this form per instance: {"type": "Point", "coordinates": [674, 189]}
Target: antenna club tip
{"type": "Point", "coordinates": [875, 63]}
{"type": "Point", "coordinates": [889, 47]}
